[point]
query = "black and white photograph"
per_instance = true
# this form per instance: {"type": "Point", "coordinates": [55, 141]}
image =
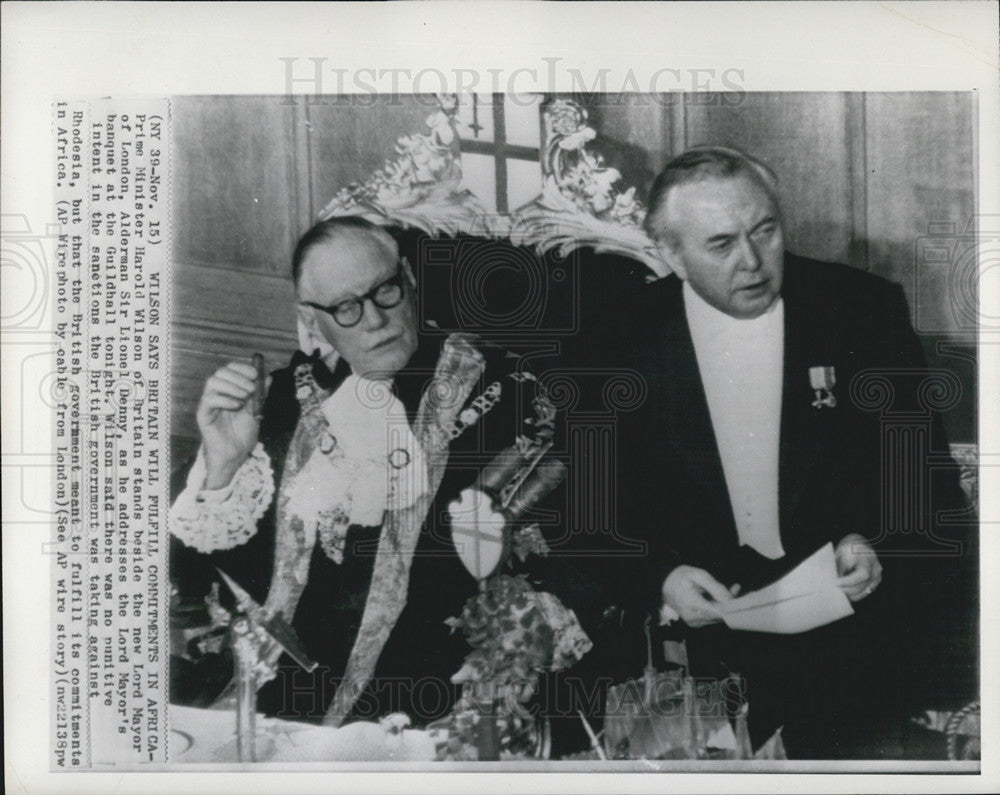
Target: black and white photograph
{"type": "Point", "coordinates": [674, 541]}
{"type": "Point", "coordinates": [529, 415]}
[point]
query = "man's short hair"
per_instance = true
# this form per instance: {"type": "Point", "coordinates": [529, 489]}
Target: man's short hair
{"type": "Point", "coordinates": [701, 163]}
{"type": "Point", "coordinates": [335, 228]}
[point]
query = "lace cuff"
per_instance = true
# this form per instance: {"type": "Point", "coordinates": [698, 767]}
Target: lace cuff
{"type": "Point", "coordinates": [210, 520]}
{"type": "Point", "coordinates": [571, 642]}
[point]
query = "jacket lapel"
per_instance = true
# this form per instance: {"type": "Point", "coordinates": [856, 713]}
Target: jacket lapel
{"type": "Point", "coordinates": [679, 403]}
{"type": "Point", "coordinates": [799, 448]}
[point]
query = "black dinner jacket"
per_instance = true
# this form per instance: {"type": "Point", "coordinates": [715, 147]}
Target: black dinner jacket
{"type": "Point", "coordinates": [671, 495]}
{"type": "Point", "coordinates": [878, 459]}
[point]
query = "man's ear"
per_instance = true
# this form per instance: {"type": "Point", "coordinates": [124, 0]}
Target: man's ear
{"type": "Point", "coordinates": [669, 252]}
{"type": "Point", "coordinates": [312, 339]}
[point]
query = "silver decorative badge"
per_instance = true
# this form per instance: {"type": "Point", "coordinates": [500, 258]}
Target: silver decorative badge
{"type": "Point", "coordinates": [823, 380]}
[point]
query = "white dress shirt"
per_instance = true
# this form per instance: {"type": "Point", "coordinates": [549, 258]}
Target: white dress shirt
{"type": "Point", "coordinates": [741, 366]}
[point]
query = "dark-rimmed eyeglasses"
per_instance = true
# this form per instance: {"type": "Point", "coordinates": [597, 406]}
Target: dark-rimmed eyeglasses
{"type": "Point", "coordinates": [349, 312]}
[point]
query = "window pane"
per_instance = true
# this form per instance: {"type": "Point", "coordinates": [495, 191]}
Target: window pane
{"type": "Point", "coordinates": [475, 114]}
{"type": "Point", "coordinates": [521, 119]}
{"type": "Point", "coordinates": [524, 181]}
{"type": "Point", "coordinates": [479, 175]}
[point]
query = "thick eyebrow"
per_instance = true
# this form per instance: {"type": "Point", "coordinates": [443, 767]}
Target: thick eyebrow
{"type": "Point", "coordinates": [354, 296]}
{"type": "Point", "coordinates": [725, 237]}
{"type": "Point", "coordinates": [770, 219]}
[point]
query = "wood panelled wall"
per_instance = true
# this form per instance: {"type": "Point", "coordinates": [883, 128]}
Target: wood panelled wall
{"type": "Point", "coordinates": [863, 176]}
{"type": "Point", "coordinates": [250, 173]}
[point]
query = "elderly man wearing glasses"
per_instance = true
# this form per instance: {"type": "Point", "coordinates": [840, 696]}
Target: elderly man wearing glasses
{"type": "Point", "coordinates": [332, 500]}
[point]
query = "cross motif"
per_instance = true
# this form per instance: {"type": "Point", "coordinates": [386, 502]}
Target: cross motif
{"type": "Point", "coordinates": [475, 126]}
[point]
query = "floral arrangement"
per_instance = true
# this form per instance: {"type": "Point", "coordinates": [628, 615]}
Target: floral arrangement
{"type": "Point", "coordinates": [511, 642]}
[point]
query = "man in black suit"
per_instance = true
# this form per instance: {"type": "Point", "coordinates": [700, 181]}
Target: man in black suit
{"type": "Point", "coordinates": [764, 436]}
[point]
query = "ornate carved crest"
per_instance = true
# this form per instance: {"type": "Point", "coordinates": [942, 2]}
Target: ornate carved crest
{"type": "Point", "coordinates": [421, 187]}
{"type": "Point", "coordinates": [578, 206]}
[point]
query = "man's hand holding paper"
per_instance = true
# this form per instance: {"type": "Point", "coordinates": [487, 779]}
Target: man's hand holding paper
{"type": "Point", "coordinates": [809, 596]}
{"type": "Point", "coordinates": [695, 595]}
{"type": "Point", "coordinates": [858, 566]}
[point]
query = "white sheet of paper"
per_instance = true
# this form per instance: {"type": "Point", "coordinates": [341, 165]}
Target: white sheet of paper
{"type": "Point", "coordinates": [798, 614]}
{"type": "Point", "coordinates": [209, 735]}
{"type": "Point", "coordinates": [805, 598]}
